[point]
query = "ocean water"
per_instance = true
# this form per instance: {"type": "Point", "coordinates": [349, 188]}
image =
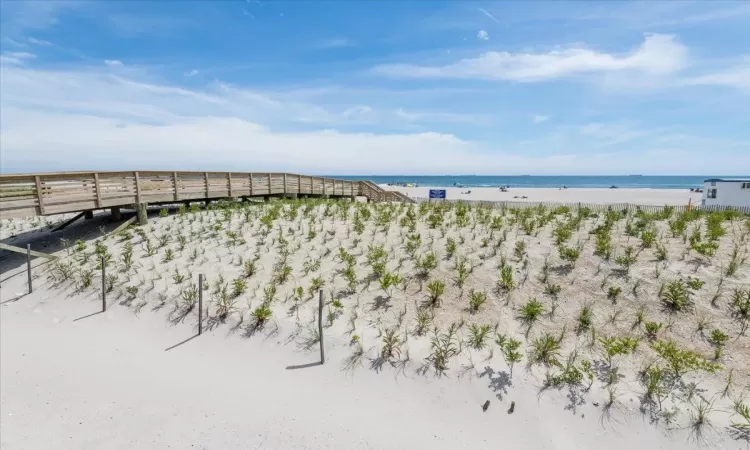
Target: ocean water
{"type": "Point", "coordinates": [631, 181]}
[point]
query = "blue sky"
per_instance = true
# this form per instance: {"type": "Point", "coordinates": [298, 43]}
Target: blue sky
{"type": "Point", "coordinates": [377, 87]}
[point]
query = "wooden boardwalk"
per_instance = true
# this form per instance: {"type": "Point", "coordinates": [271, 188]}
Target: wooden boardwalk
{"type": "Point", "coordinates": [43, 194]}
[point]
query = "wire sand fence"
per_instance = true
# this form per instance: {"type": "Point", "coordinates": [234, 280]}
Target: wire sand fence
{"type": "Point", "coordinates": [597, 207]}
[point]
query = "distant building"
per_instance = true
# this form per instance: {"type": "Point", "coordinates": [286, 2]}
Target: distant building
{"type": "Point", "coordinates": [726, 192]}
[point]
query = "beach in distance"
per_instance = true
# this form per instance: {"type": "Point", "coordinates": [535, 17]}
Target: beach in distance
{"type": "Point", "coordinates": [634, 196]}
{"type": "Point", "coordinates": [683, 182]}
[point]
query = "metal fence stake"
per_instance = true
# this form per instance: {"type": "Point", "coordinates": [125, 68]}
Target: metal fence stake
{"type": "Point", "coordinates": [320, 326]}
{"type": "Point", "coordinates": [28, 264]}
{"type": "Point", "coordinates": [200, 304]}
{"type": "Point", "coordinates": [104, 285]}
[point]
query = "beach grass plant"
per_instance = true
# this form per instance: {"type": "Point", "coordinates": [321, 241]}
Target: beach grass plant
{"type": "Point", "coordinates": [462, 272]}
{"type": "Point", "coordinates": [509, 348]}
{"type": "Point", "coordinates": [545, 350]}
{"type": "Point", "coordinates": [388, 282]}
{"type": "Point", "coordinates": [627, 259]}
{"type": "Point", "coordinates": [614, 292]}
{"type": "Point", "coordinates": [531, 312]}
{"type": "Point", "coordinates": [682, 361]}
{"type": "Point", "coordinates": [443, 347]}
{"type": "Point", "coordinates": [476, 300]}
{"type": "Point", "coordinates": [506, 281]}
{"type": "Point", "coordinates": [424, 319]}
{"type": "Point", "coordinates": [478, 336]}
{"type": "Point", "coordinates": [675, 296]}
{"type": "Point", "coordinates": [585, 319]}
{"type": "Point", "coordinates": [435, 290]}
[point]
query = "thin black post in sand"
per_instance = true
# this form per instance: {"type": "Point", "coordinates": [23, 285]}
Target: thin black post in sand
{"type": "Point", "coordinates": [200, 304]}
{"type": "Point", "coordinates": [320, 326]}
{"type": "Point", "coordinates": [104, 285]}
{"type": "Point", "coordinates": [28, 264]}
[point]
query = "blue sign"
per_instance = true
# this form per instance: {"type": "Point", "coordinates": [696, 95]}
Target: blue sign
{"type": "Point", "coordinates": [437, 193]}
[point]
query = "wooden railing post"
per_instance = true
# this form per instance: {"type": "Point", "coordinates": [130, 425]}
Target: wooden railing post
{"type": "Point", "coordinates": [97, 190]}
{"type": "Point", "coordinates": [176, 188]}
{"type": "Point", "coordinates": [269, 183]}
{"type": "Point", "coordinates": [299, 184]}
{"type": "Point", "coordinates": [39, 196]}
{"type": "Point", "coordinates": [251, 184]}
{"type": "Point", "coordinates": [205, 180]}
{"type": "Point", "coordinates": [286, 188]}
{"type": "Point", "coordinates": [324, 186]}
{"type": "Point", "coordinates": [229, 182]}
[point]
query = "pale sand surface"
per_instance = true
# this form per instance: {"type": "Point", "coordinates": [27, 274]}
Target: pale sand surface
{"type": "Point", "coordinates": [106, 382]}
{"type": "Point", "coordinates": [73, 379]}
{"type": "Point", "coordinates": [570, 195]}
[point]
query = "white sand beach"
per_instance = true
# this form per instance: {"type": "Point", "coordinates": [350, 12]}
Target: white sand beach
{"type": "Point", "coordinates": [136, 375]}
{"type": "Point", "coordinates": [106, 382]}
{"type": "Point", "coordinates": [570, 195]}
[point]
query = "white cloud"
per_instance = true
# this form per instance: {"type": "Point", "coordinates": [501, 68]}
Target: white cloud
{"type": "Point", "coordinates": [25, 15]}
{"type": "Point", "coordinates": [657, 55]}
{"type": "Point", "coordinates": [616, 133]}
{"type": "Point", "coordinates": [336, 43]}
{"type": "Point", "coordinates": [94, 120]}
{"type": "Point", "coordinates": [490, 16]}
{"type": "Point", "coordinates": [16, 58]}
{"type": "Point", "coordinates": [113, 62]}
{"type": "Point", "coordinates": [191, 73]}
{"type": "Point", "coordinates": [36, 41]}
{"type": "Point", "coordinates": [483, 35]}
{"type": "Point", "coordinates": [736, 77]}
{"type": "Point", "coordinates": [540, 119]}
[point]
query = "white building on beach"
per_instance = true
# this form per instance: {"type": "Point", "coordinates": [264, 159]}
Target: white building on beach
{"type": "Point", "coordinates": [726, 192]}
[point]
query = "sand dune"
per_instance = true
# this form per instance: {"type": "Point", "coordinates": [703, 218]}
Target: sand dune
{"type": "Point", "coordinates": [136, 376]}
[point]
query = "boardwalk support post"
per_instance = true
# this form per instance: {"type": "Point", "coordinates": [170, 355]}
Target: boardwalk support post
{"type": "Point", "coordinates": [116, 215]}
{"type": "Point", "coordinates": [142, 213]}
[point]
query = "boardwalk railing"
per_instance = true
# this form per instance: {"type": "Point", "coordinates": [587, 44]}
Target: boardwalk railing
{"type": "Point", "coordinates": [592, 206]}
{"type": "Point", "coordinates": [55, 193]}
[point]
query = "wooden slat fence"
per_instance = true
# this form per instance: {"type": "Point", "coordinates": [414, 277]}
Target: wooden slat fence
{"type": "Point", "coordinates": [599, 207]}
{"type": "Point", "coordinates": [55, 193]}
